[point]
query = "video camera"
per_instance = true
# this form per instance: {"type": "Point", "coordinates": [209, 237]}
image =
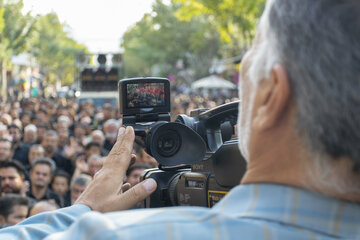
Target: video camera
{"type": "Point", "coordinates": [199, 162]}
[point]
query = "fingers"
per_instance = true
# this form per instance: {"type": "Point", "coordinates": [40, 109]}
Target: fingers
{"type": "Point", "coordinates": [135, 194]}
{"type": "Point", "coordinates": [133, 159]}
{"type": "Point", "coordinates": [119, 156]}
{"type": "Point", "coordinates": [125, 187]}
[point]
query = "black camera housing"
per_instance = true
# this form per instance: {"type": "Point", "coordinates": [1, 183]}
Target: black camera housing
{"type": "Point", "coordinates": [201, 184]}
{"type": "Point", "coordinates": [203, 165]}
{"type": "Point", "coordinates": [196, 167]}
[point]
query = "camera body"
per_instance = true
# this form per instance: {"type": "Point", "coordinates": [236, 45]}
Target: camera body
{"type": "Point", "coordinates": [199, 162]}
{"type": "Point", "coordinates": [200, 184]}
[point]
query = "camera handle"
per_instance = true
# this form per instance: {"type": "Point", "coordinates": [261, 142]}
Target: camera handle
{"type": "Point", "coordinates": [213, 120]}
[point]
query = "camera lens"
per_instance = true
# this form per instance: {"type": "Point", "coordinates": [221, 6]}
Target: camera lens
{"type": "Point", "coordinates": [168, 143]}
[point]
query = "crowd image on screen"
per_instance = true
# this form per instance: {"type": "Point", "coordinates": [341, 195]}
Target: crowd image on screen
{"type": "Point", "coordinates": [52, 147]}
{"type": "Point", "coordinates": [145, 95]}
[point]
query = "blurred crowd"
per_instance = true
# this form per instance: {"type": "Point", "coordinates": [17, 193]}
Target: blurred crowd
{"type": "Point", "coordinates": [51, 148]}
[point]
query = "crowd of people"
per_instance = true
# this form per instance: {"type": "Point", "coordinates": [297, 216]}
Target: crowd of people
{"type": "Point", "coordinates": [298, 130]}
{"type": "Point", "coordinates": [51, 148]}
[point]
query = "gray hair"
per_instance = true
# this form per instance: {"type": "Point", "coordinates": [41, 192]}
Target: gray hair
{"type": "Point", "coordinates": [36, 146]}
{"type": "Point", "coordinates": [82, 180]}
{"type": "Point", "coordinates": [30, 127]}
{"type": "Point", "coordinates": [46, 161]}
{"type": "Point", "coordinates": [318, 44]}
{"type": "Point", "coordinates": [98, 132]}
{"type": "Point", "coordinates": [112, 121]}
{"type": "Point", "coordinates": [51, 133]}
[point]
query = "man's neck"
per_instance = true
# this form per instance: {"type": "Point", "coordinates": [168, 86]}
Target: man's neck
{"type": "Point", "coordinates": [50, 155]}
{"type": "Point", "coordinates": [286, 161]}
{"type": "Point", "coordinates": [38, 192]}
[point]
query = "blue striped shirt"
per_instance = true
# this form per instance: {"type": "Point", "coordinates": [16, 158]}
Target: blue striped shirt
{"type": "Point", "coordinates": [252, 211]}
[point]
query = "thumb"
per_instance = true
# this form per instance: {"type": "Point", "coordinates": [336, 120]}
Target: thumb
{"type": "Point", "coordinates": [136, 194]}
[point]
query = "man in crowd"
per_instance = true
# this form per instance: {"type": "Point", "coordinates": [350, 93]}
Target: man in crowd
{"type": "Point", "coordinates": [299, 132]}
{"type": "Point", "coordinates": [5, 150]}
{"type": "Point", "coordinates": [141, 155]}
{"type": "Point", "coordinates": [60, 185]}
{"type": "Point", "coordinates": [108, 112]}
{"type": "Point", "coordinates": [95, 163]}
{"type": "Point", "coordinates": [133, 174]}
{"type": "Point", "coordinates": [30, 134]}
{"type": "Point", "coordinates": [92, 148]}
{"type": "Point", "coordinates": [21, 150]}
{"type": "Point", "coordinates": [4, 133]}
{"type": "Point", "coordinates": [41, 129]}
{"type": "Point", "coordinates": [36, 151]}
{"type": "Point", "coordinates": [78, 185]}
{"type": "Point", "coordinates": [12, 177]}
{"type": "Point", "coordinates": [13, 209]}
{"type": "Point", "coordinates": [110, 130]}
{"type": "Point", "coordinates": [40, 175]}
{"type": "Point", "coordinates": [98, 136]}
{"type": "Point", "coordinates": [50, 142]}
{"type": "Point", "coordinates": [42, 206]}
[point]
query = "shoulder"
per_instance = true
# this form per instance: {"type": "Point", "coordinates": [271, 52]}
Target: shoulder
{"type": "Point", "coordinates": [166, 223]}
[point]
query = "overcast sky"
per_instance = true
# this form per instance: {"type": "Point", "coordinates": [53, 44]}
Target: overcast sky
{"type": "Point", "coordinates": [97, 24]}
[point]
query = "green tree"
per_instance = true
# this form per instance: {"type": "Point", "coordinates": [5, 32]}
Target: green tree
{"type": "Point", "coordinates": [235, 19]}
{"type": "Point", "coordinates": [159, 42]}
{"type": "Point", "coordinates": [55, 50]}
{"type": "Point", "coordinates": [15, 36]}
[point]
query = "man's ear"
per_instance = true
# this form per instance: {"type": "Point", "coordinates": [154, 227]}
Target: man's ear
{"type": "Point", "coordinates": [272, 98]}
{"type": "Point", "coordinates": [2, 219]}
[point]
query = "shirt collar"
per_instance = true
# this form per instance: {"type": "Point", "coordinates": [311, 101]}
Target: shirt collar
{"type": "Point", "coordinates": [293, 206]}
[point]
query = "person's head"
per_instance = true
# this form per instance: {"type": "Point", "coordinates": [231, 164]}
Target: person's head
{"type": "Point", "coordinates": [79, 130]}
{"type": "Point", "coordinates": [43, 206]}
{"type": "Point", "coordinates": [108, 111]}
{"type": "Point", "coordinates": [30, 134]}
{"type": "Point", "coordinates": [41, 172]}
{"type": "Point", "coordinates": [12, 177]}
{"type": "Point", "coordinates": [61, 126]}
{"type": "Point", "coordinates": [5, 149]}
{"type": "Point", "coordinates": [111, 127]}
{"type": "Point", "coordinates": [50, 142]}
{"type": "Point", "coordinates": [95, 163]}
{"type": "Point", "coordinates": [98, 136]}
{"type": "Point", "coordinates": [4, 132]}
{"type": "Point", "coordinates": [141, 155]}
{"type": "Point", "coordinates": [63, 123]}
{"type": "Point", "coordinates": [13, 209]}
{"type": "Point", "coordinates": [44, 118]}
{"type": "Point", "coordinates": [15, 132]}
{"type": "Point", "coordinates": [41, 129]}
{"type": "Point", "coordinates": [26, 117]}
{"type": "Point", "coordinates": [63, 138]}
{"type": "Point", "coordinates": [133, 174]}
{"type": "Point", "coordinates": [299, 92]}
{"type": "Point", "coordinates": [14, 113]}
{"type": "Point", "coordinates": [60, 183]}
{"type": "Point", "coordinates": [92, 148]}
{"type": "Point", "coordinates": [36, 151]}
{"type": "Point", "coordinates": [78, 185]}
{"type": "Point", "coordinates": [86, 121]}
{"type": "Point", "coordinates": [6, 119]}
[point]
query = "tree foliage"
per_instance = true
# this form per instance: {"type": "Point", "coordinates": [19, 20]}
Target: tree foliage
{"type": "Point", "coordinates": [16, 33]}
{"type": "Point", "coordinates": [160, 44]}
{"type": "Point", "coordinates": [235, 19]}
{"type": "Point", "coordinates": [55, 50]}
